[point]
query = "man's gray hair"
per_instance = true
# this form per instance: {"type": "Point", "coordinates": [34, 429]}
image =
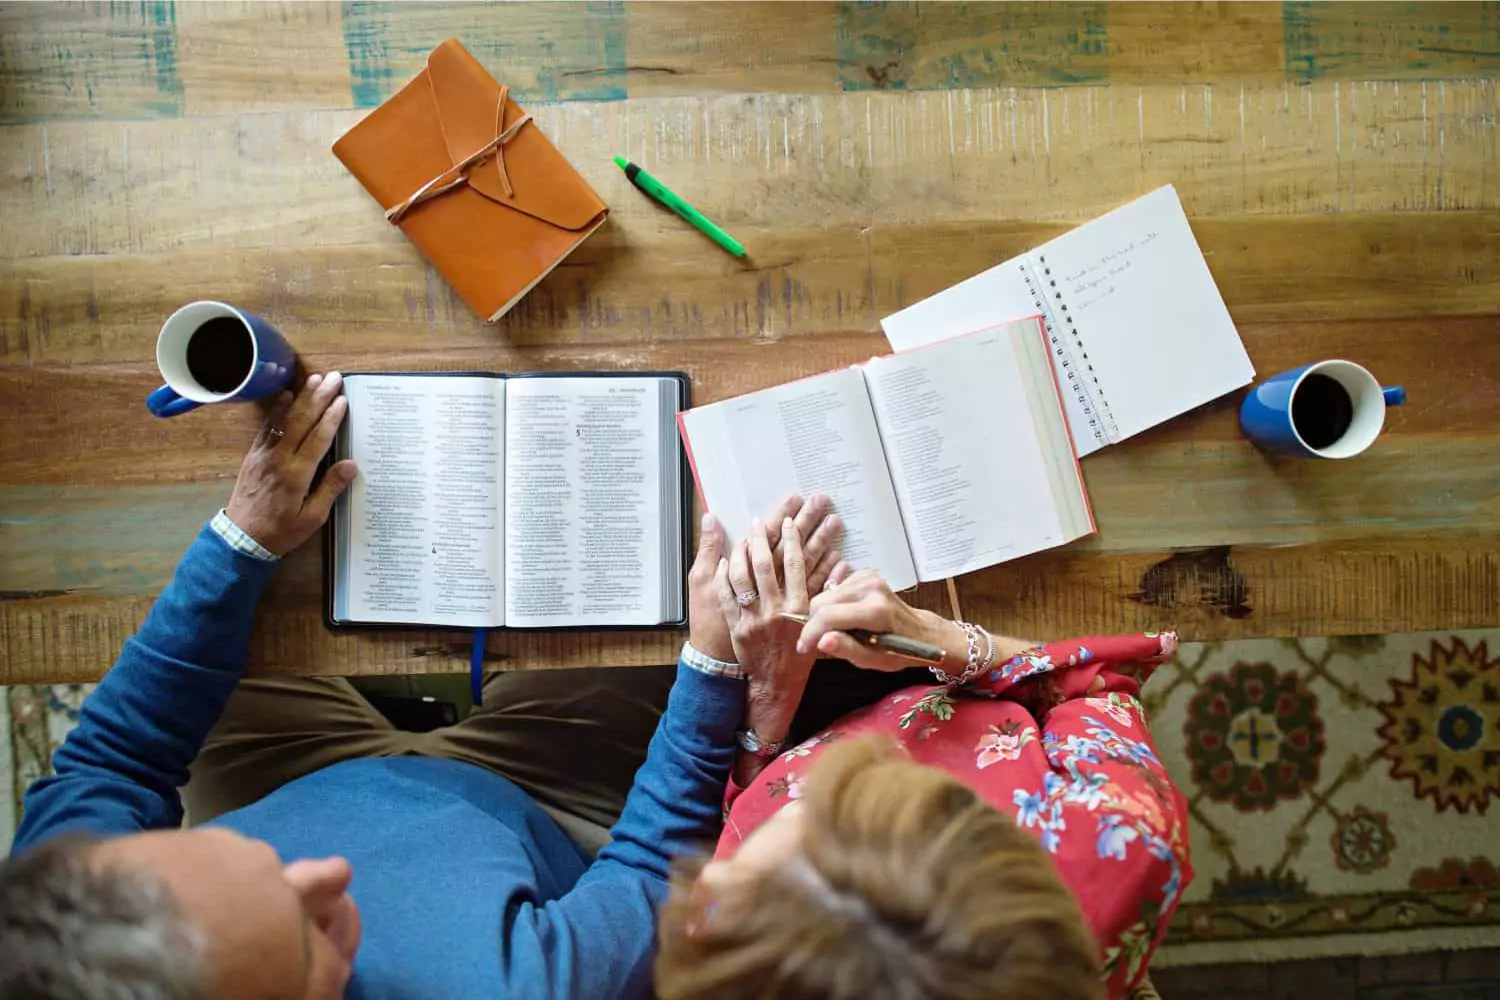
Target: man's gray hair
{"type": "Point", "coordinates": [70, 930]}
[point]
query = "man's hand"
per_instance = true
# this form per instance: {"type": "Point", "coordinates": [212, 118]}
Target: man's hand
{"type": "Point", "coordinates": [707, 630]}
{"type": "Point", "coordinates": [271, 502]}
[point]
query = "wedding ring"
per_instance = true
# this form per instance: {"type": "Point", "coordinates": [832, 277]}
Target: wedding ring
{"type": "Point", "coordinates": [745, 598]}
{"type": "Point", "coordinates": [276, 432]}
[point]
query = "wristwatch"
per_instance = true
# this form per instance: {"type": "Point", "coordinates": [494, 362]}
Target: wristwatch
{"type": "Point", "coordinates": [757, 747]}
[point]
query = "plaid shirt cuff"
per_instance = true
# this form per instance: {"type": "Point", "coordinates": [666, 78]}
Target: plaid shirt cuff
{"type": "Point", "coordinates": [238, 540]}
{"type": "Point", "coordinates": [706, 664]}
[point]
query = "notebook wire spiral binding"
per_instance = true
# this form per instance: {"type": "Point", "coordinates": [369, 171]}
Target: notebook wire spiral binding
{"type": "Point", "coordinates": [1083, 384]}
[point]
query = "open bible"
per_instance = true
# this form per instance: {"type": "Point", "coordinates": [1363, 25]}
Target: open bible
{"type": "Point", "coordinates": [542, 501]}
{"type": "Point", "coordinates": [940, 460]}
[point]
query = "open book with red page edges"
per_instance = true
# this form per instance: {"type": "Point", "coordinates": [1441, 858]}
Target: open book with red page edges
{"type": "Point", "coordinates": [940, 460]}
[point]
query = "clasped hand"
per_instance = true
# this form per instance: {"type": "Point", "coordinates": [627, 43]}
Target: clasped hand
{"type": "Point", "coordinates": [736, 595]}
{"type": "Point", "coordinates": [792, 563]}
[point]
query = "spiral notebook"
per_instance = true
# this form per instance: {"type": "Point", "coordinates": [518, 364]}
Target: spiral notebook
{"type": "Point", "coordinates": [1136, 328]}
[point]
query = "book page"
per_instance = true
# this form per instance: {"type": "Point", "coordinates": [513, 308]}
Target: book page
{"type": "Point", "coordinates": [583, 489]}
{"type": "Point", "coordinates": [988, 299]}
{"type": "Point", "coordinates": [423, 517]}
{"type": "Point", "coordinates": [1148, 315]}
{"type": "Point", "coordinates": [969, 463]}
{"type": "Point", "coordinates": [1004, 293]}
{"type": "Point", "coordinates": [816, 435]}
{"type": "Point", "coordinates": [1153, 338]}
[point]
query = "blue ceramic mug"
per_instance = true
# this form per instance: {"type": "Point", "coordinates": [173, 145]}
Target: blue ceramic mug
{"type": "Point", "coordinates": [1329, 409]}
{"type": "Point", "coordinates": [210, 352]}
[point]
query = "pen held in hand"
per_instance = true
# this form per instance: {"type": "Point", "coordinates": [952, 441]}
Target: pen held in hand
{"type": "Point", "coordinates": [913, 649]}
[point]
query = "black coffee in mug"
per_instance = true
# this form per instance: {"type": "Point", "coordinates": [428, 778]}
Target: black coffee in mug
{"type": "Point", "coordinates": [220, 353]}
{"type": "Point", "coordinates": [1321, 410]}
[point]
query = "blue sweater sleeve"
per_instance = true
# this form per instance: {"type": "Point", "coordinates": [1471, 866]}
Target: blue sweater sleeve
{"type": "Point", "coordinates": [598, 939]}
{"type": "Point", "coordinates": [120, 768]}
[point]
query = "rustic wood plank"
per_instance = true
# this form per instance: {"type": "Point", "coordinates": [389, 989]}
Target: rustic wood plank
{"type": "Point", "coordinates": [79, 424]}
{"type": "Point", "coordinates": [1339, 163]}
{"type": "Point", "coordinates": [545, 51]}
{"type": "Point", "coordinates": [945, 46]}
{"type": "Point", "coordinates": [917, 46]}
{"type": "Point", "coordinates": [1401, 41]}
{"type": "Point", "coordinates": [691, 48]}
{"type": "Point", "coordinates": [224, 49]}
{"type": "Point", "coordinates": [631, 283]}
{"type": "Point", "coordinates": [1217, 592]}
{"type": "Point", "coordinates": [779, 160]}
{"type": "Point", "coordinates": [160, 59]}
{"type": "Point", "coordinates": [88, 60]}
{"type": "Point", "coordinates": [1238, 43]}
{"type": "Point", "coordinates": [121, 539]}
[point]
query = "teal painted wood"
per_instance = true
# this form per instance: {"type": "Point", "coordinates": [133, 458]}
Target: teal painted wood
{"type": "Point", "coordinates": [99, 540]}
{"type": "Point", "coordinates": [74, 60]}
{"type": "Point", "coordinates": [942, 46]}
{"type": "Point", "coordinates": [1402, 41]}
{"type": "Point", "coordinates": [545, 51]}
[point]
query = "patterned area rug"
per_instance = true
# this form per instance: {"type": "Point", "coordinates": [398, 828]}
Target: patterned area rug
{"type": "Point", "coordinates": [1339, 791]}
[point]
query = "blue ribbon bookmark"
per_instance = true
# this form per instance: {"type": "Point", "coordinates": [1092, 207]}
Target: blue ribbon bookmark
{"type": "Point", "coordinates": [476, 667]}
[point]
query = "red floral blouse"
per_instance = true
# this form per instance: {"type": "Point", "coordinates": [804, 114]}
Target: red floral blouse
{"type": "Point", "coordinates": [1056, 737]}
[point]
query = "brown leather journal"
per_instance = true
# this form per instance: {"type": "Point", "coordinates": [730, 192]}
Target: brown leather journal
{"type": "Point", "coordinates": [472, 181]}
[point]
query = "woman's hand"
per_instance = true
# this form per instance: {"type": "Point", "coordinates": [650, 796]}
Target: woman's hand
{"type": "Point", "coordinates": [864, 601]}
{"type": "Point", "coordinates": [815, 522]}
{"type": "Point", "coordinates": [752, 599]}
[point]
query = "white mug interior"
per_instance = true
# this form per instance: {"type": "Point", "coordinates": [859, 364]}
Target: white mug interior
{"type": "Point", "coordinates": [172, 345]}
{"type": "Point", "coordinates": [1368, 408]}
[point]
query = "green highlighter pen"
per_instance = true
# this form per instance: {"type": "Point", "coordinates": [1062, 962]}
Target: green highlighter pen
{"type": "Point", "coordinates": [656, 189]}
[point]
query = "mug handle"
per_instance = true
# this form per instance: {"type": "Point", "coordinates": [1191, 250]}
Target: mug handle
{"type": "Point", "coordinates": [164, 402]}
{"type": "Point", "coordinates": [1394, 395]}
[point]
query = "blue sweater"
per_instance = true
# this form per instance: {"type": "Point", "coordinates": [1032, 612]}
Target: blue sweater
{"type": "Point", "coordinates": [465, 886]}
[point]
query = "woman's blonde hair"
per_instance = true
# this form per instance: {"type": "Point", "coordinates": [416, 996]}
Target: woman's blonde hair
{"type": "Point", "coordinates": [906, 885]}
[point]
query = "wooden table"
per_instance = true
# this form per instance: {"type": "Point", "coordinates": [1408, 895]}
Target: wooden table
{"type": "Point", "coordinates": [1339, 164]}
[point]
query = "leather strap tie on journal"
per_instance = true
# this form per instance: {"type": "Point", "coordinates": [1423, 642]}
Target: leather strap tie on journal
{"type": "Point", "coordinates": [455, 175]}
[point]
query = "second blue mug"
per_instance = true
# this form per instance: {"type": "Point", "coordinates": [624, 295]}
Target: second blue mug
{"type": "Point", "coordinates": [1328, 409]}
{"type": "Point", "coordinates": [210, 352]}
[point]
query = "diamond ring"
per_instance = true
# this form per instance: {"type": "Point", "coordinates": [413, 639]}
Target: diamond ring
{"type": "Point", "coordinates": [745, 598]}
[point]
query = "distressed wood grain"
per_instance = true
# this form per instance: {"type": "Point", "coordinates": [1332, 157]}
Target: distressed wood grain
{"type": "Point", "coordinates": [123, 539]}
{"type": "Point", "coordinates": [160, 59]}
{"type": "Point", "coordinates": [226, 50]}
{"type": "Point", "coordinates": [675, 49]}
{"type": "Point", "coordinates": [1195, 43]}
{"type": "Point", "coordinates": [1338, 163]}
{"type": "Point", "coordinates": [632, 283]}
{"type": "Point", "coordinates": [545, 51]}
{"type": "Point", "coordinates": [1207, 593]}
{"type": "Point", "coordinates": [1400, 41]}
{"type": "Point", "coordinates": [65, 423]}
{"type": "Point", "coordinates": [917, 46]}
{"type": "Point", "coordinates": [776, 160]}
{"type": "Point", "coordinates": [88, 60]}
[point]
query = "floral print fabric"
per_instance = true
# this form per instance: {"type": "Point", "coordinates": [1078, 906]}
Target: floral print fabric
{"type": "Point", "coordinates": [1055, 737]}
